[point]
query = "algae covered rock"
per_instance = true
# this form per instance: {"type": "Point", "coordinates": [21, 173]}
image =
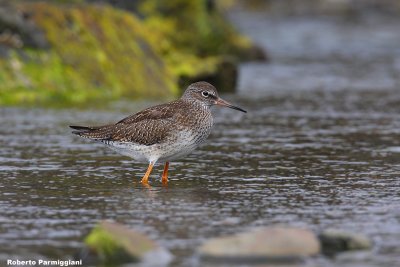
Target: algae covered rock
{"type": "Point", "coordinates": [80, 52]}
{"type": "Point", "coordinates": [114, 243]}
{"type": "Point", "coordinates": [262, 245]}
{"type": "Point", "coordinates": [108, 47]}
{"type": "Point", "coordinates": [98, 53]}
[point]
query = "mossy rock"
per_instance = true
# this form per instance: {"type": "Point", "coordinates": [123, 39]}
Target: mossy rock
{"type": "Point", "coordinates": [97, 53]}
{"type": "Point", "coordinates": [114, 243]}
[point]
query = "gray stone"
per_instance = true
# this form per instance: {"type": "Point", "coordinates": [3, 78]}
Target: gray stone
{"type": "Point", "coordinates": [262, 245]}
{"type": "Point", "coordinates": [335, 240]}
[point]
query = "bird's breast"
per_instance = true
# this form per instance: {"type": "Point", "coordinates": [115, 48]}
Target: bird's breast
{"type": "Point", "coordinates": [201, 125]}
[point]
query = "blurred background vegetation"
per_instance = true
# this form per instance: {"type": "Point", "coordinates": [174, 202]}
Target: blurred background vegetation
{"type": "Point", "coordinates": [59, 53]}
{"type": "Point", "coordinates": [62, 53]}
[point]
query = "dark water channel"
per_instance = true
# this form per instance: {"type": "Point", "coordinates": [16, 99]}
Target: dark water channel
{"type": "Point", "coordinates": [319, 148]}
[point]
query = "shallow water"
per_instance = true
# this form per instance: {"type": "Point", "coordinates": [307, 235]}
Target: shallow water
{"type": "Point", "coordinates": [308, 155]}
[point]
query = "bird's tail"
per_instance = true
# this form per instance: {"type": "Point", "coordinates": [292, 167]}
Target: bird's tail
{"type": "Point", "coordinates": [84, 131]}
{"type": "Point", "coordinates": [97, 133]}
{"type": "Point", "coordinates": [81, 129]}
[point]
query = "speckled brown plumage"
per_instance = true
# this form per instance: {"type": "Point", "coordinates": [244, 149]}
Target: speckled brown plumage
{"type": "Point", "coordinates": [164, 132]}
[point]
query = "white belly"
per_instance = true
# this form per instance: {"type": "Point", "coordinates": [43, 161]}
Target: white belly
{"type": "Point", "coordinates": [180, 144]}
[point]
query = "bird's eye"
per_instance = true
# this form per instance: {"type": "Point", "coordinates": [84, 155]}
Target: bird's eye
{"type": "Point", "coordinates": [205, 93]}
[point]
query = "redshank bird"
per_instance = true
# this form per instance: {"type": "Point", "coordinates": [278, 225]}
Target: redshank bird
{"type": "Point", "coordinates": [162, 133]}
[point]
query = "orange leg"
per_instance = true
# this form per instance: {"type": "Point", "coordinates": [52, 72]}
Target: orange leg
{"type": "Point", "coordinates": [164, 178]}
{"type": "Point", "coordinates": [145, 179]}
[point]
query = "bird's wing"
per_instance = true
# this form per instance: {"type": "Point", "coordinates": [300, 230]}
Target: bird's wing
{"type": "Point", "coordinates": [148, 127]}
{"type": "Point", "coordinates": [160, 112]}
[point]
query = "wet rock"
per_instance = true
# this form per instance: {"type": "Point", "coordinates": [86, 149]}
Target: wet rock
{"type": "Point", "coordinates": [223, 75]}
{"type": "Point", "coordinates": [253, 53]}
{"type": "Point", "coordinates": [269, 244]}
{"type": "Point", "coordinates": [114, 243]}
{"type": "Point", "coordinates": [335, 240]}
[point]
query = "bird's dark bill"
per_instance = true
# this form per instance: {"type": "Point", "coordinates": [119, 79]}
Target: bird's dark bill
{"type": "Point", "coordinates": [221, 102]}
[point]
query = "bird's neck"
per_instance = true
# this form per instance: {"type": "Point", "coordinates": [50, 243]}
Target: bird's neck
{"type": "Point", "coordinates": [198, 105]}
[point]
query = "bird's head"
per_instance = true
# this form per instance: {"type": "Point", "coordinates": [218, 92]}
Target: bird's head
{"type": "Point", "coordinates": [207, 95]}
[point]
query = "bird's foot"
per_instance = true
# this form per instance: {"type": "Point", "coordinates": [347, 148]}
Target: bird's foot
{"type": "Point", "coordinates": [164, 177]}
{"type": "Point", "coordinates": [145, 179]}
{"type": "Point", "coordinates": [146, 185]}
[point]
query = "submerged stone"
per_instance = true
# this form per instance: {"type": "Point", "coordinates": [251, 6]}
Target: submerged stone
{"type": "Point", "coordinates": [115, 243]}
{"type": "Point", "coordinates": [268, 244]}
{"type": "Point", "coordinates": [336, 240]}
